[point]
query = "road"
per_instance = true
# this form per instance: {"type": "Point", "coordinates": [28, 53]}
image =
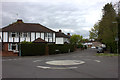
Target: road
{"type": "Point", "coordinates": [78, 64]}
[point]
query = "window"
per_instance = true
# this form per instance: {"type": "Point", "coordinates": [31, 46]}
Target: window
{"type": "Point", "coordinates": [25, 34]}
{"type": "Point", "coordinates": [9, 47]}
{"type": "Point", "coordinates": [12, 34]}
{"type": "Point", "coordinates": [12, 47]}
{"type": "Point", "coordinates": [48, 34]}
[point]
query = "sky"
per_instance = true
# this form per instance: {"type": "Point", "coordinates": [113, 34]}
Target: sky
{"type": "Point", "coordinates": [71, 16]}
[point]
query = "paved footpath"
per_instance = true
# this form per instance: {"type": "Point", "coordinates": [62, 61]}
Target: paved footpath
{"type": "Point", "coordinates": [78, 64]}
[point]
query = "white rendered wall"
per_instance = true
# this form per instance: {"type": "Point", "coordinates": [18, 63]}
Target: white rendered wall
{"type": "Point", "coordinates": [32, 36]}
{"type": "Point", "coordinates": [66, 40]}
{"type": "Point", "coordinates": [16, 39]}
{"type": "Point", "coordinates": [5, 36]}
{"type": "Point", "coordinates": [10, 39]}
{"type": "Point", "coordinates": [42, 36]}
{"type": "Point", "coordinates": [37, 35]}
{"type": "Point", "coordinates": [46, 39]}
{"type": "Point", "coordinates": [50, 39]}
{"type": "Point", "coordinates": [0, 36]}
{"type": "Point", "coordinates": [59, 40]}
{"type": "Point", "coordinates": [22, 39]}
{"type": "Point", "coordinates": [53, 37]}
{"type": "Point", "coordinates": [28, 39]}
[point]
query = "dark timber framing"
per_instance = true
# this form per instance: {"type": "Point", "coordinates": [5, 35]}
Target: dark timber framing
{"type": "Point", "coordinates": [40, 34]}
{"type": "Point", "coordinates": [35, 35]}
{"type": "Point", "coordinates": [52, 37]}
{"type": "Point", "coordinates": [8, 37]}
{"type": "Point", "coordinates": [44, 35]}
{"type": "Point", "coordinates": [30, 36]}
{"type": "Point", "coordinates": [48, 37]}
{"type": "Point", "coordinates": [13, 39]}
{"type": "Point", "coordinates": [2, 36]}
{"type": "Point", "coordinates": [19, 37]}
{"type": "Point", "coordinates": [55, 39]}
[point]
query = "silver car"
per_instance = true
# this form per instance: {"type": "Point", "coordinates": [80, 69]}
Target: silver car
{"type": "Point", "coordinates": [100, 50]}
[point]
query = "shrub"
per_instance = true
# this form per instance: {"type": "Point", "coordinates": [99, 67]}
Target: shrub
{"type": "Point", "coordinates": [61, 48]}
{"type": "Point", "coordinates": [85, 47]}
{"type": "Point", "coordinates": [79, 46]}
{"type": "Point", "coordinates": [32, 49]}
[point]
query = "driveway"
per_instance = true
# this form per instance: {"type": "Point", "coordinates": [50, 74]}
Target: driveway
{"type": "Point", "coordinates": [78, 64]}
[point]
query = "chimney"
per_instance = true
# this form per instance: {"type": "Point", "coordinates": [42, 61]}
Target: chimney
{"type": "Point", "coordinates": [19, 21]}
{"type": "Point", "coordinates": [68, 34]}
{"type": "Point", "coordinates": [60, 31]}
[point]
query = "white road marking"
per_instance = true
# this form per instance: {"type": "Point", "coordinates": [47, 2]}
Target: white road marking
{"type": "Point", "coordinates": [8, 59]}
{"type": "Point", "coordinates": [65, 62]}
{"type": "Point", "coordinates": [45, 67]}
{"type": "Point", "coordinates": [97, 60]}
{"type": "Point", "coordinates": [37, 60]}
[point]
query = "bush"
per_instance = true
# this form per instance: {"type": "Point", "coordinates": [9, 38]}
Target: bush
{"type": "Point", "coordinates": [60, 48]}
{"type": "Point", "coordinates": [79, 46]}
{"type": "Point", "coordinates": [32, 49]}
{"type": "Point", "coordinates": [85, 47]}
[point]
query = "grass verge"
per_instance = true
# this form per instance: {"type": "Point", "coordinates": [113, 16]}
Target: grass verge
{"type": "Point", "coordinates": [107, 54]}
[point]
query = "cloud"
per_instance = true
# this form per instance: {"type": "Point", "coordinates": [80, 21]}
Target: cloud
{"type": "Point", "coordinates": [74, 16]}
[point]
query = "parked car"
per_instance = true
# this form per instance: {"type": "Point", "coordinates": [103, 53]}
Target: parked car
{"type": "Point", "coordinates": [93, 47]}
{"type": "Point", "coordinates": [100, 50]}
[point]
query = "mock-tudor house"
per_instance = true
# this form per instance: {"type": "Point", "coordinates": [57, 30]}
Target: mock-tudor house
{"type": "Point", "coordinates": [13, 34]}
{"type": "Point", "coordinates": [62, 38]}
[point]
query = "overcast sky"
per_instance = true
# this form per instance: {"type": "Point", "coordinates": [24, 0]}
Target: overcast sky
{"type": "Point", "coordinates": [73, 16]}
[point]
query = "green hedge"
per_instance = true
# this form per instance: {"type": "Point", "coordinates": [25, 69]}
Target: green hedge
{"type": "Point", "coordinates": [32, 49]}
{"type": "Point", "coordinates": [60, 48]}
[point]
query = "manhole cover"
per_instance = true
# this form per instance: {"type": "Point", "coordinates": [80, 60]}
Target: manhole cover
{"type": "Point", "coordinates": [65, 62]}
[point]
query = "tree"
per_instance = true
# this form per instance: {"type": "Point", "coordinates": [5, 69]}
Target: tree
{"type": "Point", "coordinates": [107, 29]}
{"type": "Point", "coordinates": [94, 32]}
{"type": "Point", "coordinates": [75, 39]}
{"type": "Point", "coordinates": [84, 40]}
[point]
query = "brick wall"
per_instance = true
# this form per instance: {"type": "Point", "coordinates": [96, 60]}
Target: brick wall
{"type": "Point", "coordinates": [5, 51]}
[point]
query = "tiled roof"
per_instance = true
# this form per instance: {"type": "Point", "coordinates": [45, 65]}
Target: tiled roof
{"type": "Point", "coordinates": [26, 27]}
{"type": "Point", "coordinates": [60, 34]}
{"type": "Point", "coordinates": [39, 40]}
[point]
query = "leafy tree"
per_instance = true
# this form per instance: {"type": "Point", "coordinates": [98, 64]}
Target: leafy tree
{"type": "Point", "coordinates": [94, 32]}
{"type": "Point", "coordinates": [75, 39]}
{"type": "Point", "coordinates": [117, 7]}
{"type": "Point", "coordinates": [107, 29]}
{"type": "Point", "coordinates": [85, 40]}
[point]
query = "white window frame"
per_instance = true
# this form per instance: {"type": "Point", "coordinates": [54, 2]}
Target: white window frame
{"type": "Point", "coordinates": [48, 35]}
{"type": "Point", "coordinates": [26, 34]}
{"type": "Point", "coordinates": [10, 47]}
{"type": "Point", "coordinates": [15, 33]}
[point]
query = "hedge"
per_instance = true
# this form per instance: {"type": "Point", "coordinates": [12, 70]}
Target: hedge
{"type": "Point", "coordinates": [60, 48]}
{"type": "Point", "coordinates": [33, 49]}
